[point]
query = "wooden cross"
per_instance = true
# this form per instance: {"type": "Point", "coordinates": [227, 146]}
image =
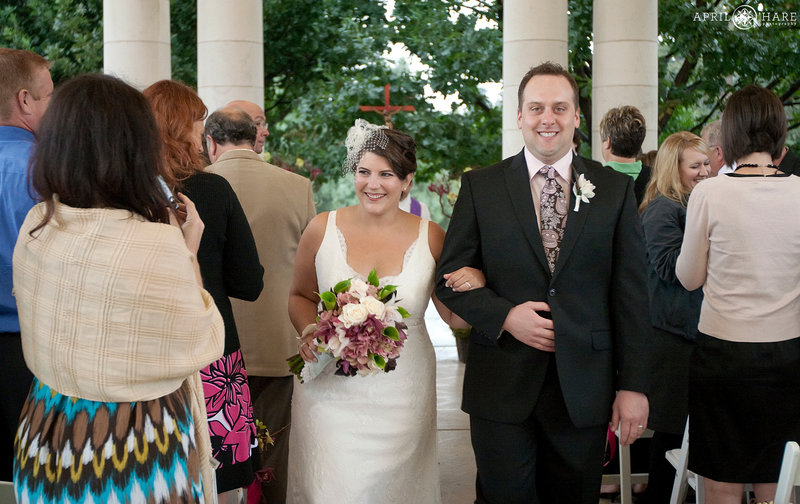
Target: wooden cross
{"type": "Point", "coordinates": [387, 110]}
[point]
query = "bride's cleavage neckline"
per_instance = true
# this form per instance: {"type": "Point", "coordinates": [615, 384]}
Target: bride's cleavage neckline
{"type": "Point", "coordinates": [406, 254]}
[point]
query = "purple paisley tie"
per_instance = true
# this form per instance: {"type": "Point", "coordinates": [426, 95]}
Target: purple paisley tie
{"type": "Point", "coordinates": [553, 215]}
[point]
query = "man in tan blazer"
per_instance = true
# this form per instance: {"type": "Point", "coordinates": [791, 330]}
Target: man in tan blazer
{"type": "Point", "coordinates": [259, 118]}
{"type": "Point", "coordinates": [278, 204]}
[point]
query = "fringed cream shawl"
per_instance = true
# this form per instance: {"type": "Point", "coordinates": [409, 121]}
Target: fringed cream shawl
{"type": "Point", "coordinates": [110, 310]}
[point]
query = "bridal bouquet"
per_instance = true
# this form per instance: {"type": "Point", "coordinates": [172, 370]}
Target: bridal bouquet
{"type": "Point", "coordinates": [357, 329]}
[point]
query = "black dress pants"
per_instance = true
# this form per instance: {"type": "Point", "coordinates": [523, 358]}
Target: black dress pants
{"type": "Point", "coordinates": [545, 459]}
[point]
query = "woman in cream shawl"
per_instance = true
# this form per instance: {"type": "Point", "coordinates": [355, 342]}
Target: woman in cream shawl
{"type": "Point", "coordinates": [115, 324]}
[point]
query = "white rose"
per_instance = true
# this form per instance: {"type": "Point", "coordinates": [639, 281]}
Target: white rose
{"type": "Point", "coordinates": [358, 288]}
{"type": "Point", "coordinates": [374, 306]}
{"type": "Point", "coordinates": [353, 314]}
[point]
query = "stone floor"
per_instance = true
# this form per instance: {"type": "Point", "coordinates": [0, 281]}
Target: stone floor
{"type": "Point", "coordinates": [456, 460]}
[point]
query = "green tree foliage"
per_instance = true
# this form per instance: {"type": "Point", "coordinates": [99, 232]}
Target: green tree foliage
{"type": "Point", "coordinates": [324, 58]}
{"type": "Point", "coordinates": [580, 64]}
{"type": "Point", "coordinates": [183, 40]}
{"type": "Point", "coordinates": [317, 78]}
{"type": "Point", "coordinates": [69, 33]}
{"type": "Point", "coordinates": [702, 61]}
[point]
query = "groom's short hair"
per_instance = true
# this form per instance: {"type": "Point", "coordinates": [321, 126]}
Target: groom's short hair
{"type": "Point", "coordinates": [547, 68]}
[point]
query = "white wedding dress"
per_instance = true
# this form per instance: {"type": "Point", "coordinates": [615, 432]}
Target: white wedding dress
{"type": "Point", "coordinates": [365, 440]}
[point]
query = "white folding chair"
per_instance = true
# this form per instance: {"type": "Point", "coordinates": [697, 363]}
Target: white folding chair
{"type": "Point", "coordinates": [7, 492]}
{"type": "Point", "coordinates": [684, 478]}
{"type": "Point", "coordinates": [625, 479]}
{"type": "Point", "coordinates": [789, 478]}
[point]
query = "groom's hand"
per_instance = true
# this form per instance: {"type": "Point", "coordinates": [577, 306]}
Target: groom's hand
{"type": "Point", "coordinates": [531, 328]}
{"type": "Point", "coordinates": [629, 415]}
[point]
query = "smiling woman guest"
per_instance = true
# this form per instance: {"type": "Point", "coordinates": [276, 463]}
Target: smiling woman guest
{"type": "Point", "coordinates": [740, 245]}
{"type": "Point", "coordinates": [373, 438]}
{"type": "Point", "coordinates": [681, 162]}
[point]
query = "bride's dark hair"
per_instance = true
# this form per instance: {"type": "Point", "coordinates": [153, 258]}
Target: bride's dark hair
{"type": "Point", "coordinates": [400, 151]}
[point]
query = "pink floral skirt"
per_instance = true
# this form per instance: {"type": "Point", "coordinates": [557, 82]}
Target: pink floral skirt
{"type": "Point", "coordinates": [230, 421]}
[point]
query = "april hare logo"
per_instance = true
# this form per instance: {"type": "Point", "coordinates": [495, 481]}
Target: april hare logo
{"type": "Point", "coordinates": [746, 17]}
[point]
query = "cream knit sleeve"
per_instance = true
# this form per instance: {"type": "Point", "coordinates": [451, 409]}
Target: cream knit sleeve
{"type": "Point", "coordinates": [692, 265]}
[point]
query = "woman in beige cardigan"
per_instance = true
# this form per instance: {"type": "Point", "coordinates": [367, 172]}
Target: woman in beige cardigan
{"type": "Point", "coordinates": [741, 245]}
{"type": "Point", "coordinates": [115, 324]}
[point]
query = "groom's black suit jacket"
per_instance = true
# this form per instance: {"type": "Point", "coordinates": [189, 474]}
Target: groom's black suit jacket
{"type": "Point", "coordinates": [597, 293]}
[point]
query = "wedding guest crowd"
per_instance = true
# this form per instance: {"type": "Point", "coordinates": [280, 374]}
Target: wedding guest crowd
{"type": "Point", "coordinates": [148, 282]}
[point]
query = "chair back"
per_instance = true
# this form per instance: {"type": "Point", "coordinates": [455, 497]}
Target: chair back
{"type": "Point", "coordinates": [789, 476]}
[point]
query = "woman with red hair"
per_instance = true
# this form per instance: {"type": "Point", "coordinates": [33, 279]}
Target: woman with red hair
{"type": "Point", "coordinates": [229, 266]}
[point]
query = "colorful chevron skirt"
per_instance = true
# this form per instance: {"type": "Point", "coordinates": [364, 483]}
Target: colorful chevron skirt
{"type": "Point", "coordinates": [74, 450]}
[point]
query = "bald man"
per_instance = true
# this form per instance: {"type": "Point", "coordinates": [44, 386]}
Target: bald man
{"type": "Point", "coordinates": [257, 114]}
{"type": "Point", "coordinates": [279, 205]}
{"type": "Point", "coordinates": [712, 134]}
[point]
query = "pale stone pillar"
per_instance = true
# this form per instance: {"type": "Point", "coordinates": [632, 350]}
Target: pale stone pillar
{"type": "Point", "coordinates": [230, 51]}
{"type": "Point", "coordinates": [136, 44]}
{"type": "Point", "coordinates": [534, 31]}
{"type": "Point", "coordinates": [625, 64]}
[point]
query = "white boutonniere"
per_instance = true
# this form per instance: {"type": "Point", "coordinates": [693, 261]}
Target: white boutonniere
{"type": "Point", "coordinates": [583, 190]}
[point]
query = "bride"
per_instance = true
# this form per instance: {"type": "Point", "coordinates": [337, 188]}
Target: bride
{"type": "Point", "coordinates": [370, 439]}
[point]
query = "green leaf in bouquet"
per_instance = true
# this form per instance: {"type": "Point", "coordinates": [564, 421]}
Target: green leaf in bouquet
{"type": "Point", "coordinates": [386, 291]}
{"type": "Point", "coordinates": [402, 311]}
{"type": "Point", "coordinates": [341, 286]}
{"type": "Point", "coordinates": [391, 333]}
{"type": "Point", "coordinates": [373, 278]}
{"type": "Point", "coordinates": [379, 361]}
{"type": "Point", "coordinates": [328, 299]}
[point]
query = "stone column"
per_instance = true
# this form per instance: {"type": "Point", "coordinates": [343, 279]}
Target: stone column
{"type": "Point", "coordinates": [625, 64]}
{"type": "Point", "coordinates": [534, 31]}
{"type": "Point", "coordinates": [230, 51]}
{"type": "Point", "coordinates": [136, 44]}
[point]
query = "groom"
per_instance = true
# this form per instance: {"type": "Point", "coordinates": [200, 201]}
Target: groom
{"type": "Point", "coordinates": [558, 346]}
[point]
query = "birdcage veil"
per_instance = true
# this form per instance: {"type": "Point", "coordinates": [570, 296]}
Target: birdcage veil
{"type": "Point", "coordinates": [362, 137]}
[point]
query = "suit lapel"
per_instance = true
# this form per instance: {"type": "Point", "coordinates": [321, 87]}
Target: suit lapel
{"type": "Point", "coordinates": [519, 191]}
{"type": "Point", "coordinates": [575, 220]}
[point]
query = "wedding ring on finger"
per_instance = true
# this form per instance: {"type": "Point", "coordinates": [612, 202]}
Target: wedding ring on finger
{"type": "Point", "coordinates": [640, 427]}
{"type": "Point", "coordinates": [469, 285]}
